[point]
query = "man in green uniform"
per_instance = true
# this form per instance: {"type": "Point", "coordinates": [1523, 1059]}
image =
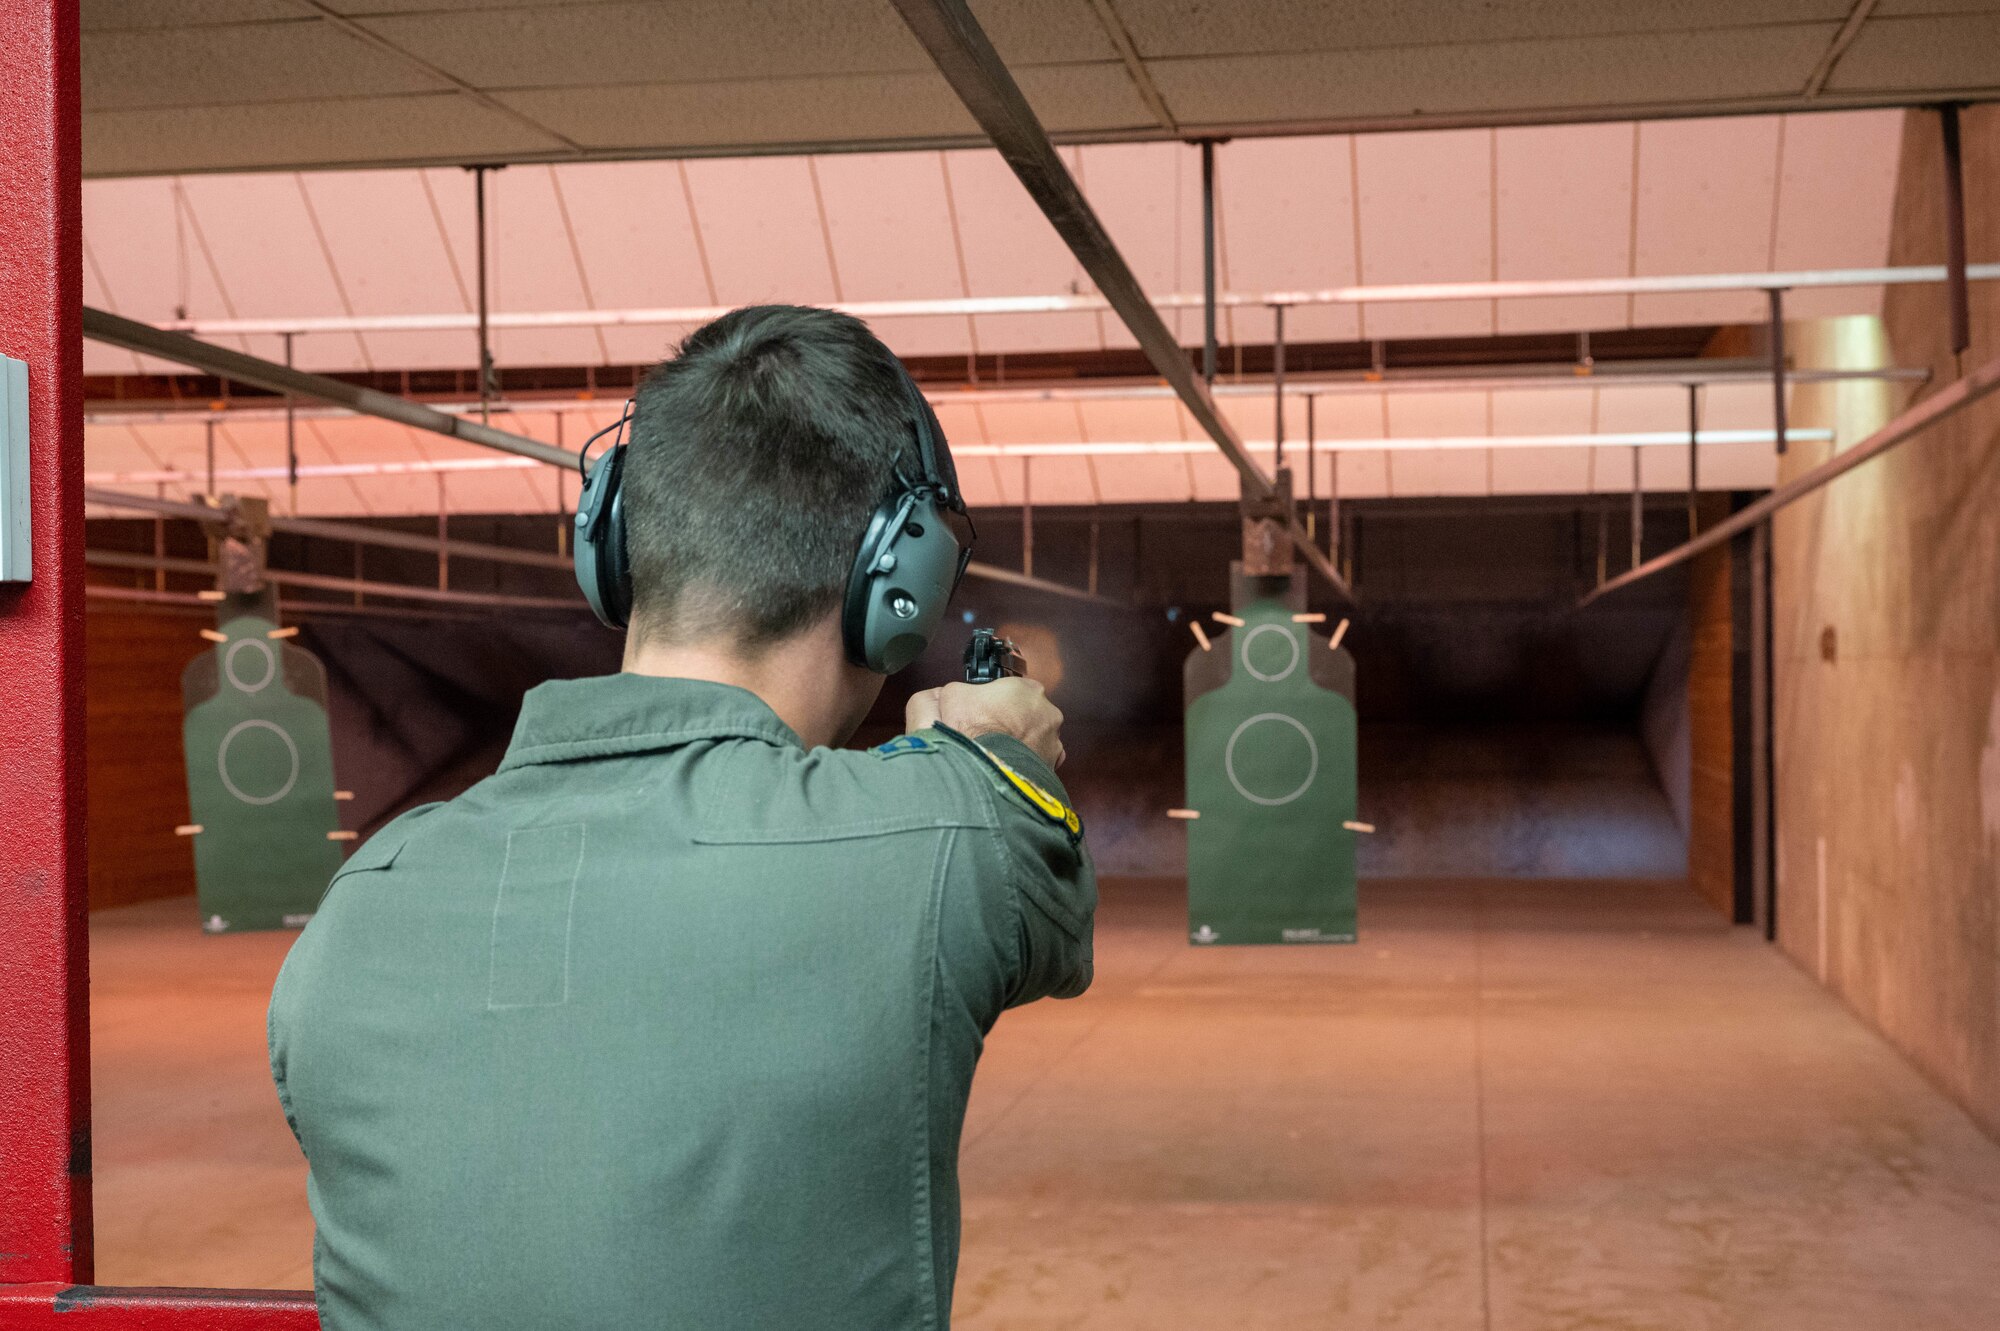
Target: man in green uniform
{"type": "Point", "coordinates": [672, 1021]}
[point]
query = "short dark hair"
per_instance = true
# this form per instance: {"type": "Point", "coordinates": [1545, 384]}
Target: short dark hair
{"type": "Point", "coordinates": [758, 452]}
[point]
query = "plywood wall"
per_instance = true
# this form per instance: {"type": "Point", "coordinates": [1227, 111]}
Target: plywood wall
{"type": "Point", "coordinates": [137, 785]}
{"type": "Point", "coordinates": [1886, 647]}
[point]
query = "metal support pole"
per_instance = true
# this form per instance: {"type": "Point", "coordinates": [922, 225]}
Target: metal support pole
{"type": "Point", "coordinates": [1312, 468]}
{"type": "Point", "coordinates": [1638, 511]}
{"type": "Point", "coordinates": [1208, 261]}
{"type": "Point", "coordinates": [1278, 381]}
{"type": "Point", "coordinates": [485, 342]}
{"type": "Point", "coordinates": [1954, 232]}
{"type": "Point", "coordinates": [209, 480]}
{"type": "Point", "coordinates": [1694, 461]}
{"type": "Point", "coordinates": [291, 437]}
{"type": "Point", "coordinates": [444, 539]}
{"type": "Point", "coordinates": [1777, 296]}
{"type": "Point", "coordinates": [1027, 518]}
{"type": "Point", "coordinates": [1603, 544]}
{"type": "Point", "coordinates": [562, 498]}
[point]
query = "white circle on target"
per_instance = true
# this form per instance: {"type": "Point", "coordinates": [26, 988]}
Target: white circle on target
{"type": "Point", "coordinates": [1290, 642]}
{"type": "Point", "coordinates": [222, 761]}
{"type": "Point", "coordinates": [1229, 756]}
{"type": "Point", "coordinates": [270, 659]}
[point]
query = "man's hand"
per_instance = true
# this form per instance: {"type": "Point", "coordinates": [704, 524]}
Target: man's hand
{"type": "Point", "coordinates": [1016, 707]}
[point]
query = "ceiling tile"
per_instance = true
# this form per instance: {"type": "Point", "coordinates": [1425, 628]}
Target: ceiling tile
{"type": "Point", "coordinates": [1148, 197]}
{"type": "Point", "coordinates": [259, 62]}
{"type": "Point", "coordinates": [431, 127]}
{"type": "Point", "coordinates": [1615, 72]}
{"type": "Point", "coordinates": [1190, 27]}
{"type": "Point", "coordinates": [890, 224]}
{"type": "Point", "coordinates": [103, 15]}
{"type": "Point", "coordinates": [1564, 209]}
{"type": "Point", "coordinates": [1457, 471]}
{"type": "Point", "coordinates": [760, 227]}
{"type": "Point", "coordinates": [1922, 51]}
{"type": "Point", "coordinates": [1437, 415]}
{"type": "Point", "coordinates": [695, 41]}
{"type": "Point", "coordinates": [1426, 216]}
{"type": "Point", "coordinates": [533, 266]}
{"type": "Point", "coordinates": [1707, 194]}
{"type": "Point", "coordinates": [1011, 250]}
{"type": "Point", "coordinates": [1146, 479]}
{"type": "Point", "coordinates": [1286, 216]}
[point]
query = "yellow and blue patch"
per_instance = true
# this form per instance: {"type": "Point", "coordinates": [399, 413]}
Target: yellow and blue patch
{"type": "Point", "coordinates": [903, 744]}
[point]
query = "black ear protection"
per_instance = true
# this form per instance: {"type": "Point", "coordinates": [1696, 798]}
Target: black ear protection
{"type": "Point", "coordinates": [910, 561]}
{"type": "Point", "coordinates": [597, 549]}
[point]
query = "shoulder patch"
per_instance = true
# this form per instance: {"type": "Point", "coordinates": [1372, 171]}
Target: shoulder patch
{"type": "Point", "coordinates": [1045, 805]}
{"type": "Point", "coordinates": [903, 744]}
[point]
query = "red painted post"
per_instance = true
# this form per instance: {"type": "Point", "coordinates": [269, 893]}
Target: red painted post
{"type": "Point", "coordinates": [44, 978]}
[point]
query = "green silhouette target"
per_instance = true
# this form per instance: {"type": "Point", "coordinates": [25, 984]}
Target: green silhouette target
{"type": "Point", "coordinates": [1271, 770]}
{"type": "Point", "coordinates": [260, 779]}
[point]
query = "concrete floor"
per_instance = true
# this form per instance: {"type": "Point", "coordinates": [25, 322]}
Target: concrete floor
{"type": "Point", "coordinates": [1519, 1105]}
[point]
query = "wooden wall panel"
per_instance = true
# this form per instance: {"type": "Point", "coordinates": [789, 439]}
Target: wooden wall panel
{"type": "Point", "coordinates": [137, 785]}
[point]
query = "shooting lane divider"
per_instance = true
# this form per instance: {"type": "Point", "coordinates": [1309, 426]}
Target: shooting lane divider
{"type": "Point", "coordinates": [214, 635]}
{"type": "Point", "coordinates": [1200, 635]}
{"type": "Point", "coordinates": [188, 829]}
{"type": "Point", "coordinates": [1186, 815]}
{"type": "Point", "coordinates": [289, 631]}
{"type": "Point", "coordinates": [1231, 620]}
{"type": "Point", "coordinates": [211, 594]}
{"type": "Point", "coordinates": [1353, 826]}
{"type": "Point", "coordinates": [1339, 632]}
{"type": "Point", "coordinates": [1315, 617]}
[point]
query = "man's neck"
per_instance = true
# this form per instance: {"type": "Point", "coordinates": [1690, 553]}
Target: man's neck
{"type": "Point", "coordinates": [799, 677]}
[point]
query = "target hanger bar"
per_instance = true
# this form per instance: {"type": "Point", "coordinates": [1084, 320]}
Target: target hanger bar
{"type": "Point", "coordinates": [288, 578]}
{"type": "Point", "coordinates": [309, 471]}
{"type": "Point", "coordinates": [359, 534]}
{"type": "Point", "coordinates": [958, 46]}
{"type": "Point", "coordinates": [1526, 288]}
{"type": "Point", "coordinates": [352, 532]}
{"type": "Point", "coordinates": [1428, 379]}
{"type": "Point", "coordinates": [1911, 423]}
{"type": "Point", "coordinates": [182, 350]}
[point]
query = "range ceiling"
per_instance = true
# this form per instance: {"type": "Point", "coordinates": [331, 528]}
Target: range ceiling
{"type": "Point", "coordinates": [231, 85]}
{"type": "Point", "coordinates": [1742, 194]}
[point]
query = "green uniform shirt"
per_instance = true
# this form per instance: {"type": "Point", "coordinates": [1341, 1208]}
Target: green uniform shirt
{"type": "Point", "coordinates": [670, 1022]}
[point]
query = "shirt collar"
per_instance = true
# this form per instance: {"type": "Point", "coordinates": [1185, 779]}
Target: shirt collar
{"type": "Point", "coordinates": [611, 715]}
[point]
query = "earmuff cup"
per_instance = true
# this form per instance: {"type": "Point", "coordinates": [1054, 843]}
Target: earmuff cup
{"type": "Point", "coordinates": [598, 550]}
{"type": "Point", "coordinates": [904, 574]}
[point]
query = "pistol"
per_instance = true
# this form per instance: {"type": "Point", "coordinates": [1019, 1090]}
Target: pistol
{"type": "Point", "coordinates": [989, 657]}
